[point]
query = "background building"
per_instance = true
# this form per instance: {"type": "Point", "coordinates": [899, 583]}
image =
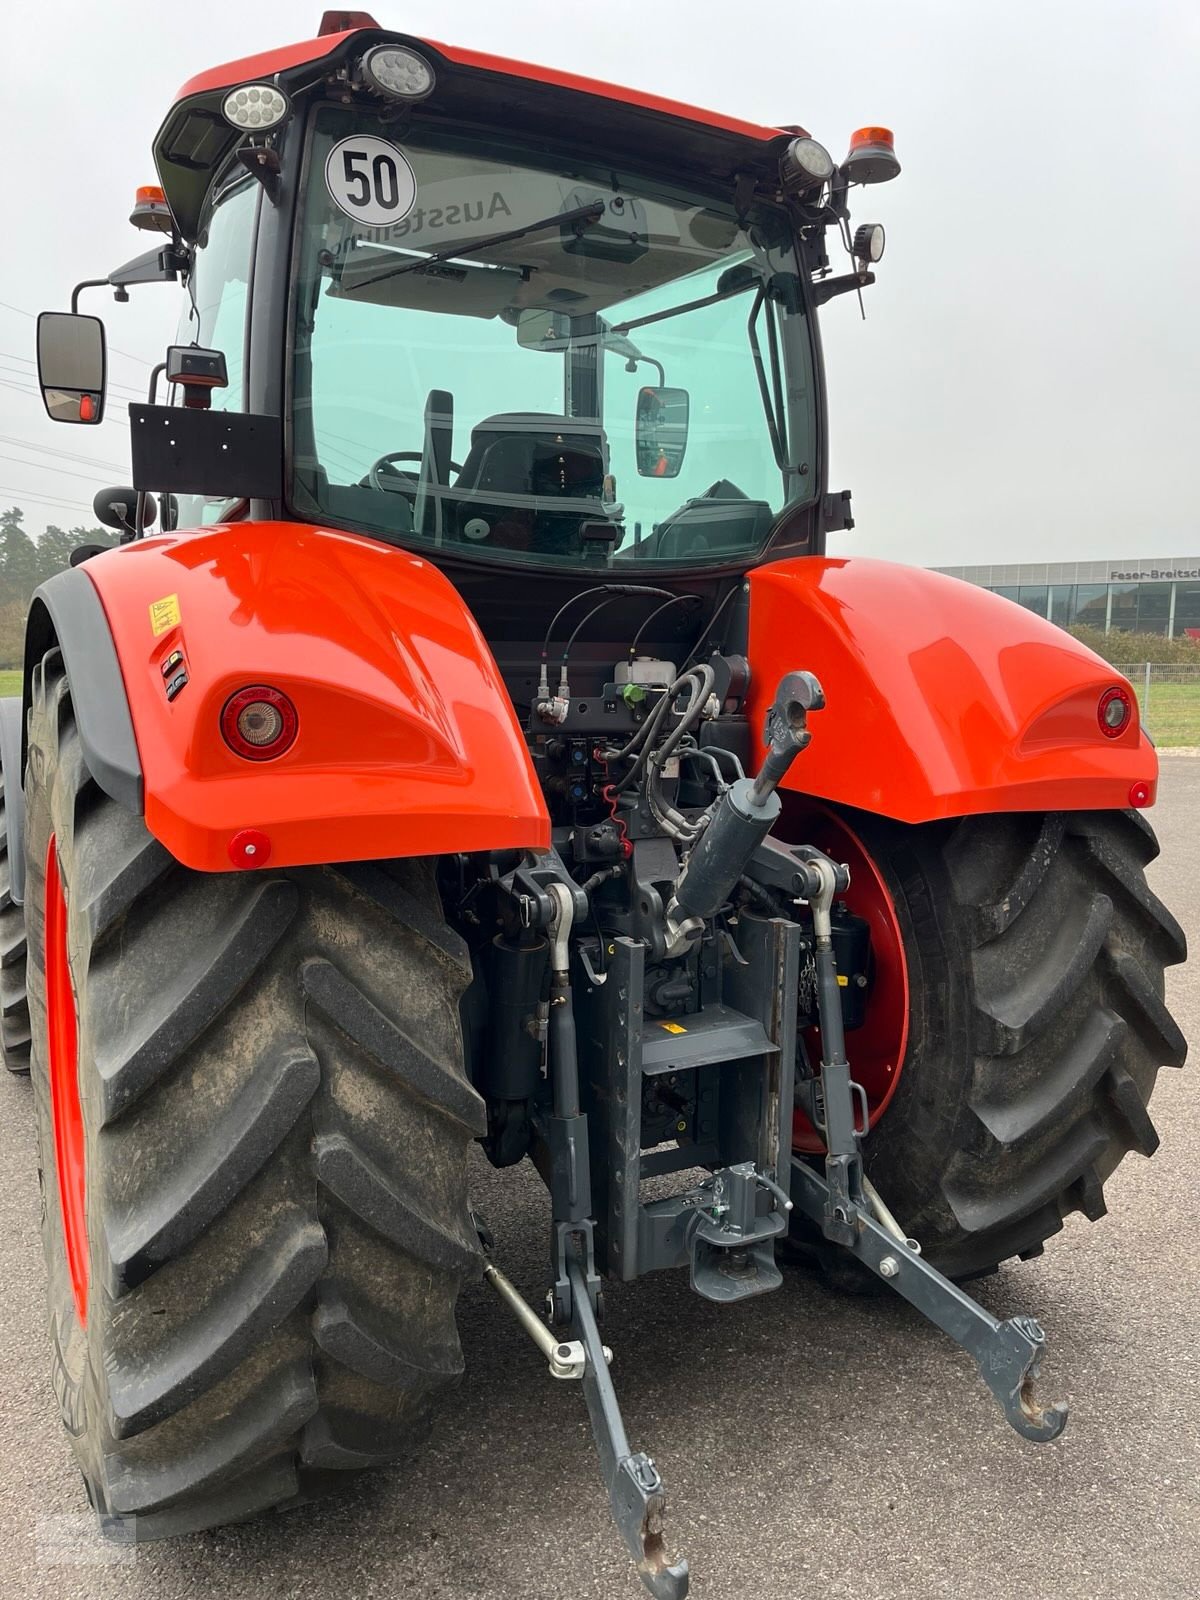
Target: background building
{"type": "Point", "coordinates": [1143, 596]}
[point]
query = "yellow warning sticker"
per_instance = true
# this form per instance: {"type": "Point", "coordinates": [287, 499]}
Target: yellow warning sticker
{"type": "Point", "coordinates": [843, 980]}
{"type": "Point", "coordinates": [164, 614]}
{"type": "Point", "coordinates": [672, 1027]}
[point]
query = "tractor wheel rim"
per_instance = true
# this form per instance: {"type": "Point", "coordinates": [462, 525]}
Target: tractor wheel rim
{"type": "Point", "coordinates": [62, 1031]}
{"type": "Point", "coordinates": [876, 1050]}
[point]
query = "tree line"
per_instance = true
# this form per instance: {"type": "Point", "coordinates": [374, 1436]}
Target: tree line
{"type": "Point", "coordinates": [1131, 649]}
{"type": "Point", "coordinates": [24, 563]}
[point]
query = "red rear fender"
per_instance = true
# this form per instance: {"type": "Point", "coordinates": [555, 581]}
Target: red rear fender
{"type": "Point", "coordinates": [942, 700]}
{"type": "Point", "coordinates": [407, 742]}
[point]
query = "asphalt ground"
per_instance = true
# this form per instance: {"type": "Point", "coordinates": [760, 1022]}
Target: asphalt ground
{"type": "Point", "coordinates": [811, 1445]}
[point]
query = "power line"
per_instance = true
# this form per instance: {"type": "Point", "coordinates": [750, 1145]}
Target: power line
{"type": "Point", "coordinates": [24, 389]}
{"type": "Point", "coordinates": [67, 455]}
{"type": "Point", "coordinates": [32, 315]}
{"type": "Point", "coordinates": [128, 388]}
{"type": "Point", "coordinates": [42, 466]}
{"type": "Point", "coordinates": [45, 500]}
{"type": "Point", "coordinates": [13, 355]}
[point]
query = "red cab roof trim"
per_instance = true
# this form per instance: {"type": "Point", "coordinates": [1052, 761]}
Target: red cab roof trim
{"type": "Point", "coordinates": [263, 66]}
{"type": "Point", "coordinates": [607, 91]}
{"type": "Point", "coordinates": [295, 55]}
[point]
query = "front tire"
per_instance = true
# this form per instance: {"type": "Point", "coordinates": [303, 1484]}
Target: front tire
{"type": "Point", "coordinates": [274, 1126]}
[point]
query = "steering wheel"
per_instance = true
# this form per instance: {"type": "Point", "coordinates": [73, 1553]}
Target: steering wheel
{"type": "Point", "coordinates": [399, 482]}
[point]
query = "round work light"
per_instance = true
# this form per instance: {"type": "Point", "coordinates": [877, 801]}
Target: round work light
{"type": "Point", "coordinates": [255, 106]}
{"type": "Point", "coordinates": [806, 164]}
{"type": "Point", "coordinates": [869, 240]}
{"type": "Point", "coordinates": [399, 73]}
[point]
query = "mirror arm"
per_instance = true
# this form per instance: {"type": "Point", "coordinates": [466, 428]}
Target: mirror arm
{"type": "Point", "coordinates": [163, 264]}
{"type": "Point", "coordinates": [631, 365]}
{"type": "Point", "coordinates": [88, 283]}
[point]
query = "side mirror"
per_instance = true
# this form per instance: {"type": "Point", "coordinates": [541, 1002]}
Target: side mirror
{"type": "Point", "coordinates": [72, 366]}
{"type": "Point", "coordinates": [661, 431]}
{"type": "Point", "coordinates": [117, 508]}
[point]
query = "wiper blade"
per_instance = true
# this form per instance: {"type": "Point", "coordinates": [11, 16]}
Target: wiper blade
{"type": "Point", "coordinates": [581, 217]}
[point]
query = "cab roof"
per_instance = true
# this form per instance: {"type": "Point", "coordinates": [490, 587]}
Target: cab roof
{"type": "Point", "coordinates": [290, 56]}
{"type": "Point", "coordinates": [559, 110]}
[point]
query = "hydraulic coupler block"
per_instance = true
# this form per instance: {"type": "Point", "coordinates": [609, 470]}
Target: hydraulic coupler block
{"type": "Point", "coordinates": [746, 812]}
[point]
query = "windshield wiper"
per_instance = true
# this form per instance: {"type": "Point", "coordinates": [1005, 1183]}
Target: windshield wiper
{"type": "Point", "coordinates": [582, 217]}
{"type": "Point", "coordinates": [734, 280]}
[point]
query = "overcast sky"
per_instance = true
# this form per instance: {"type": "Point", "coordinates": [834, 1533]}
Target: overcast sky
{"type": "Point", "coordinates": [1025, 385]}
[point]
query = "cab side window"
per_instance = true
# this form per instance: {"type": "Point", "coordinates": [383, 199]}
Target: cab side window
{"type": "Point", "coordinates": [216, 310]}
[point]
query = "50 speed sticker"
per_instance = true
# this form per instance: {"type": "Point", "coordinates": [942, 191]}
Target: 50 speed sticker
{"type": "Point", "coordinates": [370, 180]}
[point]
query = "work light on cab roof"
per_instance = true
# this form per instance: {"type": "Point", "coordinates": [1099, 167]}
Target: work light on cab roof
{"type": "Point", "coordinates": [396, 73]}
{"type": "Point", "coordinates": [255, 107]}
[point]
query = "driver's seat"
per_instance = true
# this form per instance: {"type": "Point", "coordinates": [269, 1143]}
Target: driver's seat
{"type": "Point", "coordinates": [535, 453]}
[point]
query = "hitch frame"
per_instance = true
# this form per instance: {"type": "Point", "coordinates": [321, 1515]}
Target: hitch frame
{"type": "Point", "coordinates": [742, 1043]}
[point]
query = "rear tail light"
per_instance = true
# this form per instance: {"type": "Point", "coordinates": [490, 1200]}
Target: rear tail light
{"type": "Point", "coordinates": [1113, 712]}
{"type": "Point", "coordinates": [259, 723]}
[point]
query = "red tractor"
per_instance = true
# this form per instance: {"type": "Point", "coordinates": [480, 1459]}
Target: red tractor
{"type": "Point", "coordinates": [485, 749]}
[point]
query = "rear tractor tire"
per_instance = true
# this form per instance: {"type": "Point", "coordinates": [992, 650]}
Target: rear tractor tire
{"type": "Point", "coordinates": [253, 1124]}
{"type": "Point", "coordinates": [1036, 1024]}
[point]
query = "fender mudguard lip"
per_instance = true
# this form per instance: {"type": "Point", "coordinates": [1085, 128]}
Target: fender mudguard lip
{"type": "Point", "coordinates": [942, 700]}
{"type": "Point", "coordinates": [66, 610]}
{"type": "Point", "coordinates": [12, 764]}
{"type": "Point", "coordinates": [407, 742]}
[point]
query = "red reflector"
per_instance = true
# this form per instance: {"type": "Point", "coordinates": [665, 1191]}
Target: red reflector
{"type": "Point", "coordinates": [259, 723]}
{"type": "Point", "coordinates": [1139, 794]}
{"type": "Point", "coordinates": [249, 848]}
{"type": "Point", "coordinates": [862, 136]}
{"type": "Point", "coordinates": [1113, 712]}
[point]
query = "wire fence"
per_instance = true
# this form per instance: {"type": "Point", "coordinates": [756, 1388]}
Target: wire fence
{"type": "Point", "coordinates": [1169, 700]}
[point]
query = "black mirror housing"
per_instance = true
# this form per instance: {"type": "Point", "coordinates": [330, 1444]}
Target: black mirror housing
{"type": "Point", "coordinates": [117, 508]}
{"type": "Point", "coordinates": [72, 360]}
{"type": "Point", "coordinates": [661, 431]}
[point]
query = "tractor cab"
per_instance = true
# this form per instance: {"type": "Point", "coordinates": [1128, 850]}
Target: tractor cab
{"type": "Point", "coordinates": [516, 336]}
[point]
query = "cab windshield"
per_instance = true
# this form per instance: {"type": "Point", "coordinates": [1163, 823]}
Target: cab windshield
{"type": "Point", "coordinates": [532, 362]}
